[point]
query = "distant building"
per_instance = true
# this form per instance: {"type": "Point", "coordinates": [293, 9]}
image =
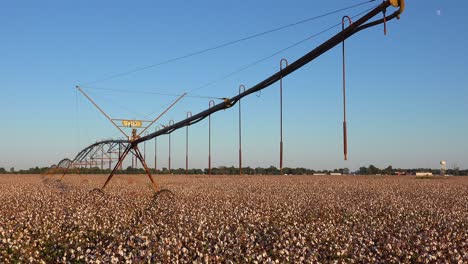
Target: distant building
{"type": "Point", "coordinates": [423, 173]}
{"type": "Point", "coordinates": [335, 174]}
{"type": "Point", "coordinates": [319, 174]}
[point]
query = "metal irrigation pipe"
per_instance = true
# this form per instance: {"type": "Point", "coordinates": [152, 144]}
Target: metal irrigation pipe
{"type": "Point", "coordinates": [102, 158]}
{"type": "Point", "coordinates": [241, 89]}
{"type": "Point", "coordinates": [210, 104]}
{"type": "Point", "coordinates": [189, 114]}
{"type": "Point", "coordinates": [281, 113]}
{"type": "Point", "coordinates": [345, 132]}
{"type": "Point", "coordinates": [144, 147]}
{"type": "Point", "coordinates": [171, 122]}
{"type": "Point", "coordinates": [156, 151]}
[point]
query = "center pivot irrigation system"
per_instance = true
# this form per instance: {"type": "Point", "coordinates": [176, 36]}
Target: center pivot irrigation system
{"type": "Point", "coordinates": [103, 150]}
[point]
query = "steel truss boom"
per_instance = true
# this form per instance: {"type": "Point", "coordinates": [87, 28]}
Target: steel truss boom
{"type": "Point", "coordinates": [326, 46]}
{"type": "Point", "coordinates": [361, 24]}
{"type": "Point", "coordinates": [83, 153]}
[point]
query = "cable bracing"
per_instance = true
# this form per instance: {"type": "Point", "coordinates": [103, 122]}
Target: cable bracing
{"type": "Point", "coordinates": [141, 68]}
{"type": "Point", "coordinates": [189, 93]}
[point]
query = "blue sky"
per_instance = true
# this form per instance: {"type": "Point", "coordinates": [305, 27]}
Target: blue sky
{"type": "Point", "coordinates": [407, 91]}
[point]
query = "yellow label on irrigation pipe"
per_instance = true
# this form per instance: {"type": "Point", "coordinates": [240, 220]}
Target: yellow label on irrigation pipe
{"type": "Point", "coordinates": [131, 123]}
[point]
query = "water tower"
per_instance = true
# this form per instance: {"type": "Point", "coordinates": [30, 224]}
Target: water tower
{"type": "Point", "coordinates": [443, 167]}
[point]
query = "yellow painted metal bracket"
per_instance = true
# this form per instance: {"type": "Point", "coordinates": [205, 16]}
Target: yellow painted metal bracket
{"type": "Point", "coordinates": [398, 3]}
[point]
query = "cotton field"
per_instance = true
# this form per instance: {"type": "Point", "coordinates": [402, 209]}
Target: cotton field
{"type": "Point", "coordinates": [232, 219]}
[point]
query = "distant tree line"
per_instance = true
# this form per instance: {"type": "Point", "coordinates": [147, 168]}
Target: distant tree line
{"type": "Point", "coordinates": [224, 170]}
{"type": "Point", "coordinates": [35, 170]}
{"type": "Point", "coordinates": [372, 170]}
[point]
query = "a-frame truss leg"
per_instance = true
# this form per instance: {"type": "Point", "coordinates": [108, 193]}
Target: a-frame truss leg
{"type": "Point", "coordinates": [143, 162]}
{"type": "Point", "coordinates": [137, 153]}
{"type": "Point", "coordinates": [119, 163]}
